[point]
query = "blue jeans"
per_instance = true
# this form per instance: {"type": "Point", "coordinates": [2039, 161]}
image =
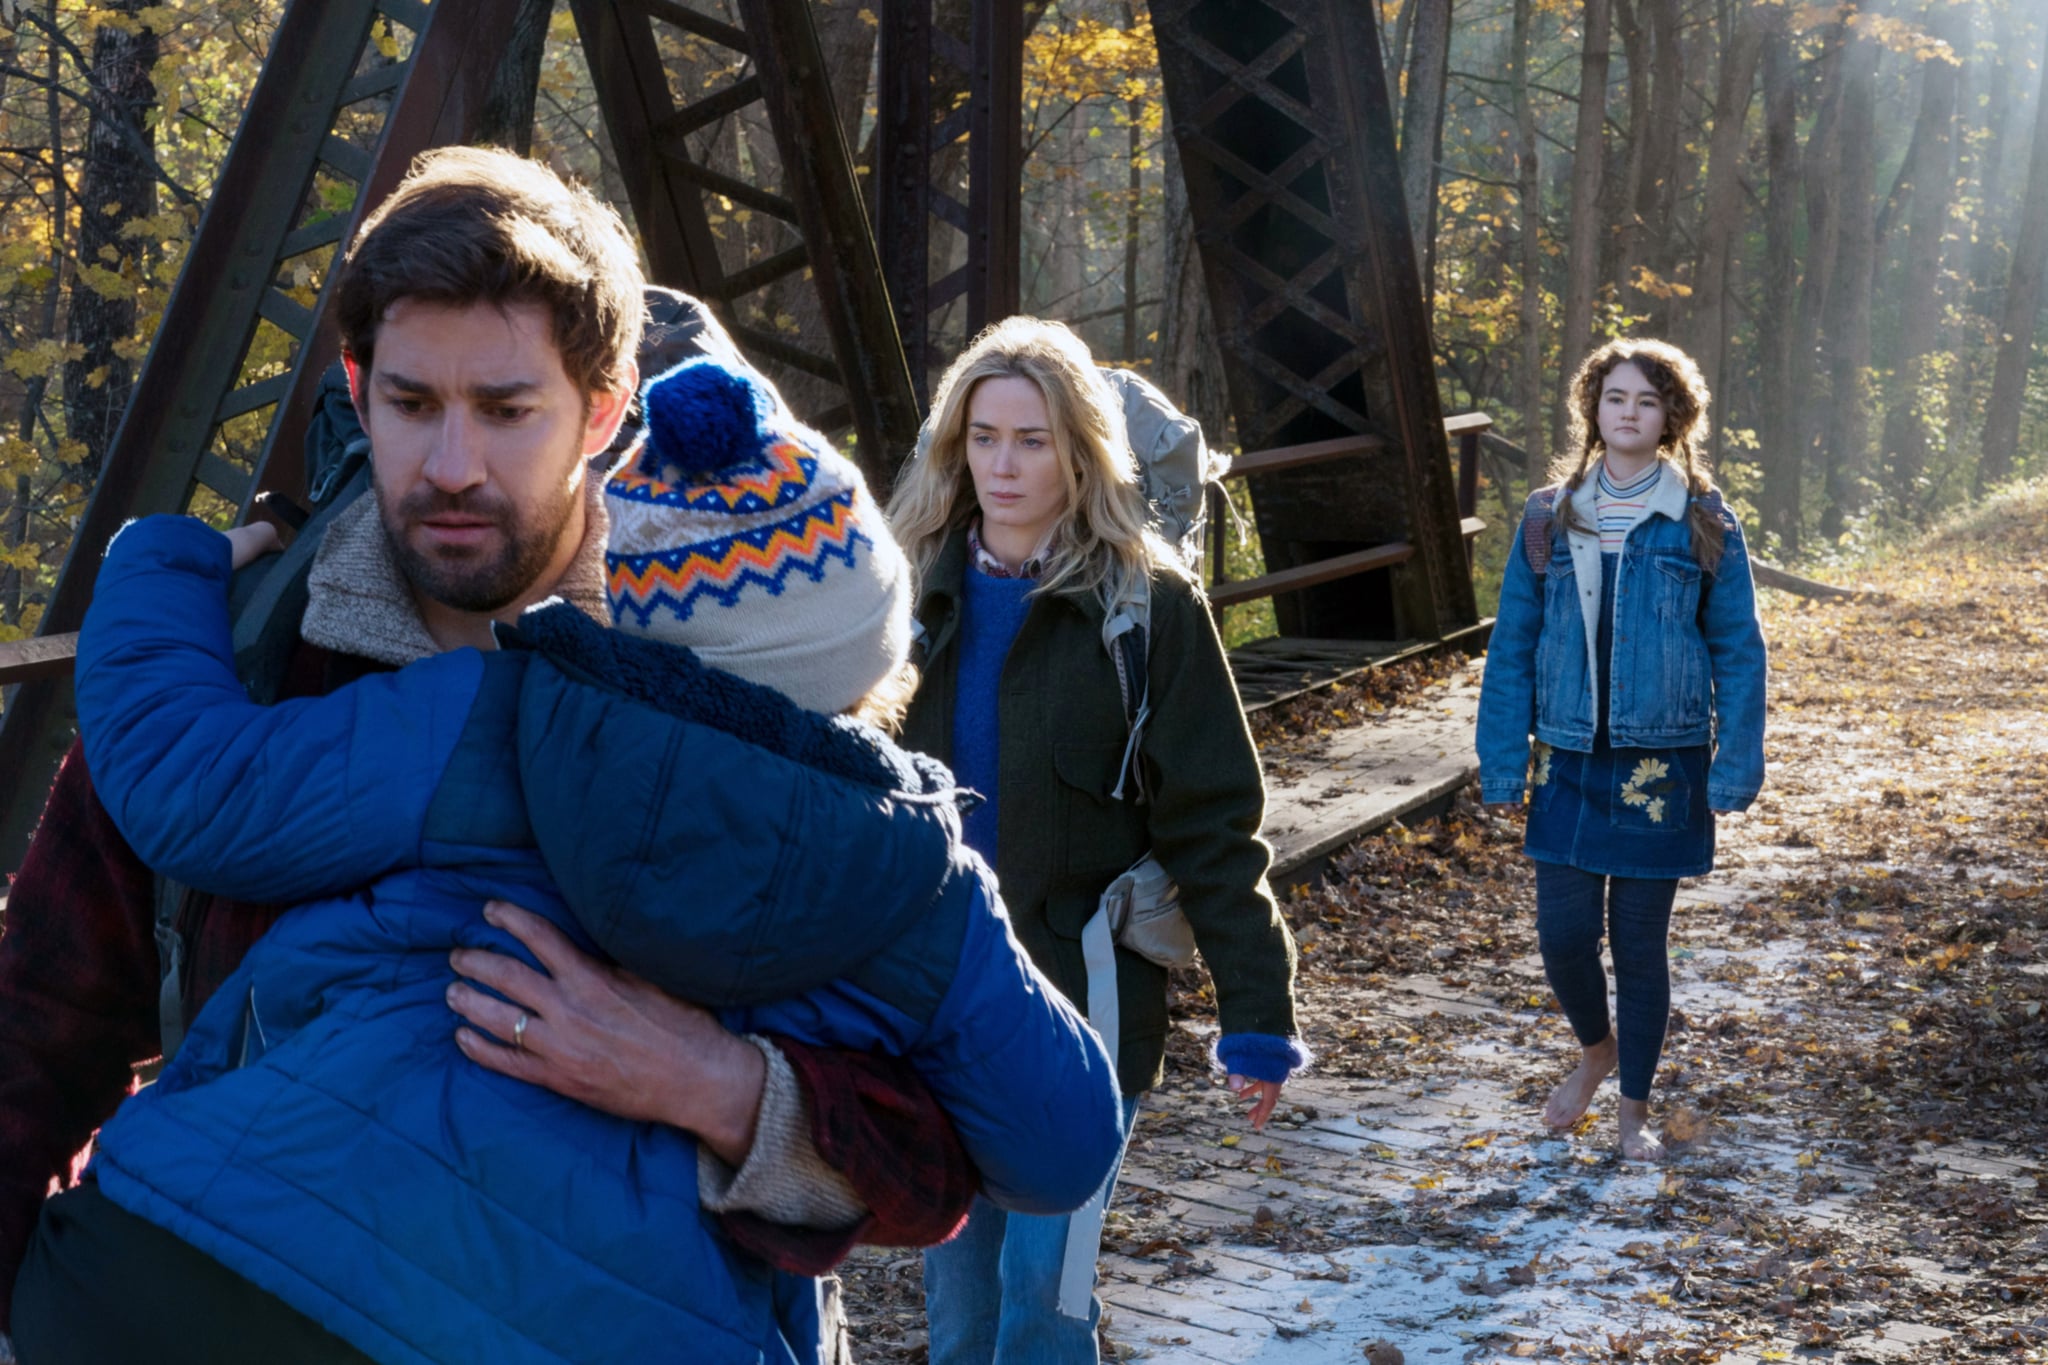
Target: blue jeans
{"type": "Point", "coordinates": [1572, 908]}
{"type": "Point", "coordinates": [992, 1293]}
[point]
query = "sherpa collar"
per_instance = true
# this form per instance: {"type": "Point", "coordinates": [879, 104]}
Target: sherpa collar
{"type": "Point", "coordinates": [1669, 498]}
{"type": "Point", "coordinates": [359, 602]}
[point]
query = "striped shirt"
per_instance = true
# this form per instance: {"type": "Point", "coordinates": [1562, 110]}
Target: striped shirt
{"type": "Point", "coordinates": [1618, 507]}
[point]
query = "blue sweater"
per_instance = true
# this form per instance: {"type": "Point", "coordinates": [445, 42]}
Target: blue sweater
{"type": "Point", "coordinates": [319, 1133]}
{"type": "Point", "coordinates": [992, 611]}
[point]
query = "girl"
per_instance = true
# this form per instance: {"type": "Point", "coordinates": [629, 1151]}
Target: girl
{"type": "Point", "coordinates": [1627, 640]}
{"type": "Point", "coordinates": [1022, 517]}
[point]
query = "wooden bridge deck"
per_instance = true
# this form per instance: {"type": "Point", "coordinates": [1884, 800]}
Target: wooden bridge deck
{"type": "Point", "coordinates": [1440, 1216]}
{"type": "Point", "coordinates": [1353, 781]}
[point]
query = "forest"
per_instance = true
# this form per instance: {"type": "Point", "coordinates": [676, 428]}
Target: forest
{"type": "Point", "coordinates": [1840, 208]}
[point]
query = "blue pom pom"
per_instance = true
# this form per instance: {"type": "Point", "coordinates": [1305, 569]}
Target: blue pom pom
{"type": "Point", "coordinates": [704, 417]}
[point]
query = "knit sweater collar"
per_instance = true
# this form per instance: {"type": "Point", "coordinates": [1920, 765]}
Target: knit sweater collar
{"type": "Point", "coordinates": [359, 602]}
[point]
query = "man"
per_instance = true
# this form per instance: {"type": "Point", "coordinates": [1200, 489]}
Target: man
{"type": "Point", "coordinates": [490, 353]}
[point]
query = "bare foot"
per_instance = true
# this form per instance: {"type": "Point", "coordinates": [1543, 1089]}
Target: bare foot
{"type": "Point", "coordinates": [1638, 1143]}
{"type": "Point", "coordinates": [1571, 1099]}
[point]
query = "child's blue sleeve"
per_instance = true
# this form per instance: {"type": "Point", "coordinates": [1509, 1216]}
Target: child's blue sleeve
{"type": "Point", "coordinates": [275, 804]}
{"type": "Point", "coordinates": [1028, 1084]}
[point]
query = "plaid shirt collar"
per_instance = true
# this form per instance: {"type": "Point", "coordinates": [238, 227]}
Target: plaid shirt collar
{"type": "Point", "coordinates": [995, 568]}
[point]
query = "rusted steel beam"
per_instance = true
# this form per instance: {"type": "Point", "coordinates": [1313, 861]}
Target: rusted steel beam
{"type": "Point", "coordinates": [819, 197]}
{"type": "Point", "coordinates": [903, 169]}
{"type": "Point", "coordinates": [1292, 178]}
{"type": "Point", "coordinates": [633, 96]}
{"type": "Point", "coordinates": [995, 159]}
{"type": "Point", "coordinates": [817, 173]}
{"type": "Point", "coordinates": [914, 138]}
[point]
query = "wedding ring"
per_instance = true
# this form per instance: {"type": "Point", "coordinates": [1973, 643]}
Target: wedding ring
{"type": "Point", "coordinates": [519, 1031]}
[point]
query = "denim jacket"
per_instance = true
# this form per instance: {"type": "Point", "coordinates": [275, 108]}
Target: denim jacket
{"type": "Point", "coordinates": [1688, 664]}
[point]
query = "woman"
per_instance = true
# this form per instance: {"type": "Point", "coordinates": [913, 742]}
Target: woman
{"type": "Point", "coordinates": [1023, 517]}
{"type": "Point", "coordinates": [1627, 639]}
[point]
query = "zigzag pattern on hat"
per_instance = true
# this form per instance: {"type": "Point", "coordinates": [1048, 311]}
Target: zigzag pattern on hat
{"type": "Point", "coordinates": [722, 569]}
{"type": "Point", "coordinates": [780, 477]}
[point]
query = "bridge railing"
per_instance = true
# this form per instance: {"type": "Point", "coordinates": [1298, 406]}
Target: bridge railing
{"type": "Point", "coordinates": [50, 655]}
{"type": "Point", "coordinates": [1466, 428]}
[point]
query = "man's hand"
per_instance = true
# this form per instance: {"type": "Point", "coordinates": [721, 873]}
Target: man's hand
{"type": "Point", "coordinates": [247, 544]}
{"type": "Point", "coordinates": [1266, 1095]}
{"type": "Point", "coordinates": [602, 1036]}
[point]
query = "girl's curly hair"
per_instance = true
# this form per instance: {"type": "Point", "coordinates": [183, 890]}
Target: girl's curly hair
{"type": "Point", "coordinates": [1683, 389]}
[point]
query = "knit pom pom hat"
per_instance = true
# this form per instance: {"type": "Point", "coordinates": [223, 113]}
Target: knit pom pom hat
{"type": "Point", "coordinates": [740, 533]}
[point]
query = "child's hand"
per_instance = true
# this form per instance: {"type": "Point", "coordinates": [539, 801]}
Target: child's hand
{"type": "Point", "coordinates": [247, 544]}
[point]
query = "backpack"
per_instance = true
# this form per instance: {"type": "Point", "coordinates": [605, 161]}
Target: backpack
{"type": "Point", "coordinates": [267, 600]}
{"type": "Point", "coordinates": [1175, 463]}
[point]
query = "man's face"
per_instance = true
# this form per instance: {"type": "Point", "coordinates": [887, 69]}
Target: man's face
{"type": "Point", "coordinates": [478, 441]}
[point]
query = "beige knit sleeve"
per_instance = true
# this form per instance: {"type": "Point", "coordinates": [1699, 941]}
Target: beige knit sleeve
{"type": "Point", "coordinates": [783, 1180]}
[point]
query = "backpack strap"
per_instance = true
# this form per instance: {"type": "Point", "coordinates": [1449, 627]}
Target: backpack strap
{"type": "Point", "coordinates": [1539, 520]}
{"type": "Point", "coordinates": [1127, 636]}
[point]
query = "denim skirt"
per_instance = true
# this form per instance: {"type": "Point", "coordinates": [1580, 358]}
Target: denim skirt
{"type": "Point", "coordinates": [1621, 812]}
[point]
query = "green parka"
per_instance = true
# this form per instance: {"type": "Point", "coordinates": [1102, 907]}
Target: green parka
{"type": "Point", "coordinates": [1062, 838]}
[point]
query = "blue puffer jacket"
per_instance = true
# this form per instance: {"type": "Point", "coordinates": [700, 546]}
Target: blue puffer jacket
{"type": "Point", "coordinates": [320, 1134]}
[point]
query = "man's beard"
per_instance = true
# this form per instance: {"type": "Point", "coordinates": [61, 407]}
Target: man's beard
{"type": "Point", "coordinates": [482, 580]}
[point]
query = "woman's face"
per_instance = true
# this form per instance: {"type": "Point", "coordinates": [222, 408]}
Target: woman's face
{"type": "Point", "coordinates": [1016, 468]}
{"type": "Point", "coordinates": [1631, 413]}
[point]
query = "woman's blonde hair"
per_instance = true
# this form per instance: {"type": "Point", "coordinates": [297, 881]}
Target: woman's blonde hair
{"type": "Point", "coordinates": [1102, 544]}
{"type": "Point", "coordinates": [887, 703]}
{"type": "Point", "coordinates": [1683, 391]}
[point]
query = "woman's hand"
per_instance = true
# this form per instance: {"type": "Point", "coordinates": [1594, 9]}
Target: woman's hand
{"type": "Point", "coordinates": [247, 544]}
{"type": "Point", "coordinates": [602, 1036]}
{"type": "Point", "coordinates": [1265, 1094]}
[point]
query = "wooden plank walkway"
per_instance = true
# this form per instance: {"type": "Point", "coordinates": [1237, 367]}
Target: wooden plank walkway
{"type": "Point", "coordinates": [1436, 1213]}
{"type": "Point", "coordinates": [1356, 780]}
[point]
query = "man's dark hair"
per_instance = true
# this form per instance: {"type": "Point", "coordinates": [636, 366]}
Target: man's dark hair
{"type": "Point", "coordinates": [479, 225]}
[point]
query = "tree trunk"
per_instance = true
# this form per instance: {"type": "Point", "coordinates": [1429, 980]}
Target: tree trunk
{"type": "Point", "coordinates": [1528, 193]}
{"type": "Point", "coordinates": [2022, 309]}
{"type": "Point", "coordinates": [1727, 150]}
{"type": "Point", "coordinates": [1582, 257]}
{"type": "Point", "coordinates": [1624, 229]}
{"type": "Point", "coordinates": [116, 183]}
{"type": "Point", "coordinates": [18, 523]}
{"type": "Point", "coordinates": [1397, 55]}
{"type": "Point", "coordinates": [1422, 132]}
{"type": "Point", "coordinates": [1928, 183]}
{"type": "Point", "coordinates": [506, 119]}
{"type": "Point", "coordinates": [1817, 286]}
{"type": "Point", "coordinates": [1780, 431]}
{"type": "Point", "coordinates": [846, 35]}
{"type": "Point", "coordinates": [1655, 127]}
{"type": "Point", "coordinates": [1987, 172]}
{"type": "Point", "coordinates": [1848, 435]}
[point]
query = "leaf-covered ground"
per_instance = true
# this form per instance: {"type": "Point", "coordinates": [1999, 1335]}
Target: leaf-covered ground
{"type": "Point", "coordinates": [1857, 1075]}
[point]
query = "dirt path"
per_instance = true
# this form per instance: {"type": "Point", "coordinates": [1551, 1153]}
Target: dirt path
{"type": "Point", "coordinates": [1856, 1066]}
